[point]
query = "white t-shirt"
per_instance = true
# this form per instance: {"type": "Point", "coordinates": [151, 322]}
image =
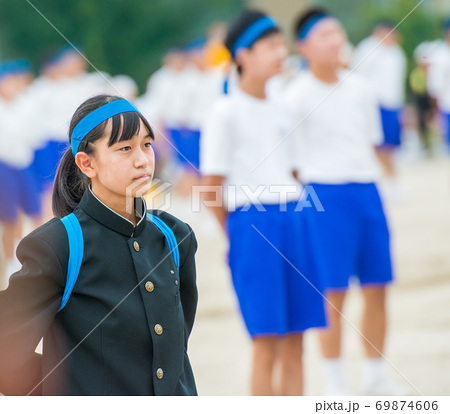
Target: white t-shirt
{"type": "Point", "coordinates": [247, 140]}
{"type": "Point", "coordinates": [337, 127]}
{"type": "Point", "coordinates": [385, 68]}
{"type": "Point", "coordinates": [206, 88]}
{"type": "Point", "coordinates": [56, 101]}
{"type": "Point", "coordinates": [17, 132]}
{"type": "Point", "coordinates": [439, 75]}
{"type": "Point", "coordinates": [154, 101]}
{"type": "Point", "coordinates": [174, 104]}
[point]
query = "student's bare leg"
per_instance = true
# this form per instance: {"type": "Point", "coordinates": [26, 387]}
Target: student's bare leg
{"type": "Point", "coordinates": [290, 352]}
{"type": "Point", "coordinates": [264, 356]}
{"type": "Point", "coordinates": [374, 320]}
{"type": "Point", "coordinates": [9, 235]}
{"type": "Point", "coordinates": [375, 380]}
{"type": "Point", "coordinates": [386, 157]}
{"type": "Point", "coordinates": [330, 338]}
{"type": "Point", "coordinates": [18, 228]}
{"type": "Point", "coordinates": [47, 210]}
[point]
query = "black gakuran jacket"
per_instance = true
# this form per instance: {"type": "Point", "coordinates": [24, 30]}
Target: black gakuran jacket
{"type": "Point", "coordinates": [125, 328]}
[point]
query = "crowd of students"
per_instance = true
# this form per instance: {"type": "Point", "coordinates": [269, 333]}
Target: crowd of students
{"type": "Point", "coordinates": [235, 112]}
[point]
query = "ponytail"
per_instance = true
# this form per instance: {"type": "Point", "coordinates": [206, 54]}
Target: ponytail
{"type": "Point", "coordinates": [69, 186]}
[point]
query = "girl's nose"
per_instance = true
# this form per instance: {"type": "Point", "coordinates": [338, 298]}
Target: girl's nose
{"type": "Point", "coordinates": [141, 158]}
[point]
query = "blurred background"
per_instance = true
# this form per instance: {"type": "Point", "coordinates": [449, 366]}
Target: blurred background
{"type": "Point", "coordinates": [146, 51]}
{"type": "Point", "coordinates": [120, 39]}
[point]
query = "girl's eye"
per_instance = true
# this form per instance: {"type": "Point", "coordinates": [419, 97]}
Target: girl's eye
{"type": "Point", "coordinates": [125, 149]}
{"type": "Point", "coordinates": [148, 144]}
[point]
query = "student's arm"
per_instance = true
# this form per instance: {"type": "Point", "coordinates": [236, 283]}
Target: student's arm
{"type": "Point", "coordinates": [294, 146]}
{"type": "Point", "coordinates": [212, 197]}
{"type": "Point", "coordinates": [373, 116]}
{"type": "Point", "coordinates": [436, 79]}
{"type": "Point", "coordinates": [27, 308]}
{"type": "Point", "coordinates": [217, 146]}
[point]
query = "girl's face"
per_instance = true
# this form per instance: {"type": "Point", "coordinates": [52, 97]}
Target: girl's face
{"type": "Point", "coordinates": [123, 170]}
{"type": "Point", "coordinates": [265, 58]}
{"type": "Point", "coordinates": [324, 44]}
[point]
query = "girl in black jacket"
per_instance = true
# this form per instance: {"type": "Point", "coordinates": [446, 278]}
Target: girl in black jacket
{"type": "Point", "coordinates": [125, 326]}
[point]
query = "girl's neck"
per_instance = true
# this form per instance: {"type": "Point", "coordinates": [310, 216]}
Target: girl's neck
{"type": "Point", "coordinates": [325, 74]}
{"type": "Point", "coordinates": [123, 206]}
{"type": "Point", "coordinates": [253, 87]}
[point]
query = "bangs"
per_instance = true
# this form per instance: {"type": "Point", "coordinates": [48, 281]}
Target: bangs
{"type": "Point", "coordinates": [126, 125]}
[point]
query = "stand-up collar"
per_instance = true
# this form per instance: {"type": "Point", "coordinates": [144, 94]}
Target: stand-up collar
{"type": "Point", "coordinates": [110, 219]}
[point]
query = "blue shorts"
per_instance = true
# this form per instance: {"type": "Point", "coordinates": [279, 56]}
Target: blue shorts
{"type": "Point", "coordinates": [354, 235]}
{"type": "Point", "coordinates": [277, 280]}
{"type": "Point", "coordinates": [187, 145]}
{"type": "Point", "coordinates": [445, 121]}
{"type": "Point", "coordinates": [30, 196]}
{"type": "Point", "coordinates": [46, 162]}
{"type": "Point", "coordinates": [18, 192]}
{"type": "Point", "coordinates": [392, 130]}
{"type": "Point", "coordinates": [9, 199]}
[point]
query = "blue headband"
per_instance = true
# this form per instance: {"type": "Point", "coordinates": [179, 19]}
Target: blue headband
{"type": "Point", "coordinates": [252, 33]}
{"type": "Point", "coordinates": [306, 29]}
{"type": "Point", "coordinates": [446, 24]}
{"type": "Point", "coordinates": [95, 118]}
{"type": "Point", "coordinates": [14, 67]}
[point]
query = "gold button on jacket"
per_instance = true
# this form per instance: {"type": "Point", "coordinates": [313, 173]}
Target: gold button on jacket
{"type": "Point", "coordinates": [159, 373]}
{"type": "Point", "coordinates": [136, 246]}
{"type": "Point", "coordinates": [149, 287]}
{"type": "Point", "coordinates": [158, 329]}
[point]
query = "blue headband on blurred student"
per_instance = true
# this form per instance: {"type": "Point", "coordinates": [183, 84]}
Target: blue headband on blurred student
{"type": "Point", "coordinates": [446, 23]}
{"type": "Point", "coordinates": [14, 67]}
{"type": "Point", "coordinates": [95, 118]}
{"type": "Point", "coordinates": [306, 29]}
{"type": "Point", "coordinates": [252, 33]}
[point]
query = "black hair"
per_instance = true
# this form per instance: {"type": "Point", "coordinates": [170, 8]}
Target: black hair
{"type": "Point", "coordinates": [384, 23]}
{"type": "Point", "coordinates": [70, 185]}
{"type": "Point", "coordinates": [306, 16]}
{"type": "Point", "coordinates": [242, 22]}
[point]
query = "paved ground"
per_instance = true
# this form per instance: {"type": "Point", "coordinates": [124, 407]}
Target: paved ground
{"type": "Point", "coordinates": [418, 346]}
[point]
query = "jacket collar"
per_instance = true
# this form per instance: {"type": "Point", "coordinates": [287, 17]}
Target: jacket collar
{"type": "Point", "coordinates": [101, 213]}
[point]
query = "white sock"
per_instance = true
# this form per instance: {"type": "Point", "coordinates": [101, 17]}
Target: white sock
{"type": "Point", "coordinates": [373, 370]}
{"type": "Point", "coordinates": [334, 376]}
{"type": "Point", "coordinates": [376, 381]}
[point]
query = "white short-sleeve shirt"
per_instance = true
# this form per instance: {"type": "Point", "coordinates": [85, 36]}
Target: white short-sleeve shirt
{"type": "Point", "coordinates": [247, 141]}
{"type": "Point", "coordinates": [337, 127]}
{"type": "Point", "coordinates": [16, 132]}
{"type": "Point", "coordinates": [439, 75]}
{"type": "Point", "coordinates": [384, 66]}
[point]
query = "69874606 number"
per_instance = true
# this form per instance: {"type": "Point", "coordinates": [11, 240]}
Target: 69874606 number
{"type": "Point", "coordinates": [406, 405]}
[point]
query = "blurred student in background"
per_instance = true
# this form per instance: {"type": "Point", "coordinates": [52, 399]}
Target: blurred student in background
{"type": "Point", "coordinates": [439, 80]}
{"type": "Point", "coordinates": [338, 128]}
{"type": "Point", "coordinates": [243, 151]}
{"type": "Point", "coordinates": [19, 191]}
{"type": "Point", "coordinates": [418, 82]}
{"type": "Point", "coordinates": [382, 61]}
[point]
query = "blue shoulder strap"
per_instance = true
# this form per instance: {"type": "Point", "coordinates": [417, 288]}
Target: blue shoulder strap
{"type": "Point", "coordinates": [76, 250]}
{"type": "Point", "coordinates": [167, 231]}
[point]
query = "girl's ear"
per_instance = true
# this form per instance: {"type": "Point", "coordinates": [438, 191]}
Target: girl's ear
{"type": "Point", "coordinates": [241, 56]}
{"type": "Point", "coordinates": [85, 164]}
